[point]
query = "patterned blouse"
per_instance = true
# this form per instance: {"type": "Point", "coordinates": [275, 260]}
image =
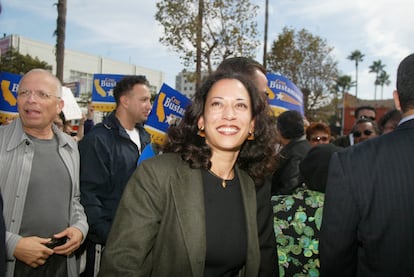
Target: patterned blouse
{"type": "Point", "coordinates": [297, 221]}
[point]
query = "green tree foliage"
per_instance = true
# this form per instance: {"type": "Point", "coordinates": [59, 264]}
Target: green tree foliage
{"type": "Point", "coordinates": [383, 80]}
{"type": "Point", "coordinates": [377, 67]}
{"type": "Point", "coordinates": [229, 29]}
{"type": "Point", "coordinates": [357, 57]}
{"type": "Point", "coordinates": [343, 84]}
{"type": "Point", "coordinates": [305, 59]}
{"type": "Point", "coordinates": [14, 62]}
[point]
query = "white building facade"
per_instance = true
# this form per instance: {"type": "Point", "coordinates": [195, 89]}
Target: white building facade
{"type": "Point", "coordinates": [185, 82]}
{"type": "Point", "coordinates": [78, 66]}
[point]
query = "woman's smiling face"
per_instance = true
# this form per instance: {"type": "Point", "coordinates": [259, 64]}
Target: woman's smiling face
{"type": "Point", "coordinates": [227, 118]}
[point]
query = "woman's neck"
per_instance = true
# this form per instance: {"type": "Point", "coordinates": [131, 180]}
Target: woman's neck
{"type": "Point", "coordinates": [222, 164]}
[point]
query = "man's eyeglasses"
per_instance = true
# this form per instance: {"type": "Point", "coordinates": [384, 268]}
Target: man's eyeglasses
{"type": "Point", "coordinates": [38, 93]}
{"type": "Point", "coordinates": [357, 134]}
{"type": "Point", "coordinates": [367, 117]}
{"type": "Point", "coordinates": [318, 139]}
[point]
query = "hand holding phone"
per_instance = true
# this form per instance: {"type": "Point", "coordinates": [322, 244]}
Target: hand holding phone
{"type": "Point", "coordinates": [54, 242]}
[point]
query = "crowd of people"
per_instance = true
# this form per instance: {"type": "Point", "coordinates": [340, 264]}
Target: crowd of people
{"type": "Point", "coordinates": [234, 191]}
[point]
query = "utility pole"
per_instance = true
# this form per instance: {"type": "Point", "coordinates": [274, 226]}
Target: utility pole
{"type": "Point", "coordinates": [265, 33]}
{"type": "Point", "coordinates": [198, 42]}
{"type": "Point", "coordinates": [60, 38]}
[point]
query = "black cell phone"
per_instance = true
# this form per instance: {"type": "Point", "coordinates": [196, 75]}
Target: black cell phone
{"type": "Point", "coordinates": [56, 242]}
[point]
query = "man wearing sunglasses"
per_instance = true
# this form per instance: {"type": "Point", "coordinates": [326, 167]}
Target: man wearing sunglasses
{"type": "Point", "coordinates": [364, 129]}
{"type": "Point", "coordinates": [368, 216]}
{"type": "Point", "coordinates": [362, 112]}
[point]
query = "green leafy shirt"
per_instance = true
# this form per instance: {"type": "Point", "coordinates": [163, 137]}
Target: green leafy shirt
{"type": "Point", "coordinates": [297, 221]}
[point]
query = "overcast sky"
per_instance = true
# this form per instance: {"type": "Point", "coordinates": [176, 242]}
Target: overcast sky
{"type": "Point", "coordinates": [126, 30]}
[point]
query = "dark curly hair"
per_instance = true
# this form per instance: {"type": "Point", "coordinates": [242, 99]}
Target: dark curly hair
{"type": "Point", "coordinates": [256, 157]}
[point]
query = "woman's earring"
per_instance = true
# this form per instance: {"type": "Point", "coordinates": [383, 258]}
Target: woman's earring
{"type": "Point", "coordinates": [201, 132]}
{"type": "Point", "coordinates": [251, 135]}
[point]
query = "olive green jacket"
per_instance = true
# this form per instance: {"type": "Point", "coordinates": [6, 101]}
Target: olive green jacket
{"type": "Point", "coordinates": [159, 228]}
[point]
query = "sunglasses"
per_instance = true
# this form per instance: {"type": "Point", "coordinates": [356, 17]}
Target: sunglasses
{"type": "Point", "coordinates": [318, 139]}
{"type": "Point", "coordinates": [357, 134]}
{"type": "Point", "coordinates": [367, 117]}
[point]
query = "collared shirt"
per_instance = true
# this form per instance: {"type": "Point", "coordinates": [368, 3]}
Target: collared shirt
{"type": "Point", "coordinates": [405, 119]}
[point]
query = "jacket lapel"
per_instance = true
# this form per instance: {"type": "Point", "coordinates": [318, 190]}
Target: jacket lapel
{"type": "Point", "coordinates": [250, 210]}
{"type": "Point", "coordinates": [188, 196]}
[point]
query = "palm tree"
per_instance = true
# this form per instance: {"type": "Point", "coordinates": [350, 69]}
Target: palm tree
{"type": "Point", "coordinates": [356, 56]}
{"type": "Point", "coordinates": [60, 34]}
{"type": "Point", "coordinates": [342, 84]}
{"type": "Point", "coordinates": [377, 67]}
{"type": "Point", "coordinates": [383, 79]}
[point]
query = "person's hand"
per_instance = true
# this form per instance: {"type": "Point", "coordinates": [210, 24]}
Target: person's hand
{"type": "Point", "coordinates": [75, 237]}
{"type": "Point", "coordinates": [83, 119]}
{"type": "Point", "coordinates": [32, 251]}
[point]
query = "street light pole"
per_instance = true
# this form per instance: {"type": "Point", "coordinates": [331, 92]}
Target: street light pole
{"type": "Point", "coordinates": [265, 33]}
{"type": "Point", "coordinates": [198, 42]}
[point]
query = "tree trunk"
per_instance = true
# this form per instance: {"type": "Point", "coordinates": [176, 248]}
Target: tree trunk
{"type": "Point", "coordinates": [356, 77]}
{"type": "Point", "coordinates": [60, 38]}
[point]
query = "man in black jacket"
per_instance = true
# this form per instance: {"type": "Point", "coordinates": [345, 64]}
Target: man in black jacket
{"type": "Point", "coordinates": [109, 155]}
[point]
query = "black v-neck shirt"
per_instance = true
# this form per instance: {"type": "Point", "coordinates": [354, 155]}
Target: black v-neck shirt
{"type": "Point", "coordinates": [226, 233]}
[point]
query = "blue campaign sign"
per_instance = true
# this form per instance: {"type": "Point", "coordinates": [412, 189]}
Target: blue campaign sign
{"type": "Point", "coordinates": [283, 94]}
{"type": "Point", "coordinates": [102, 91]}
{"type": "Point", "coordinates": [8, 95]}
{"type": "Point", "coordinates": [168, 109]}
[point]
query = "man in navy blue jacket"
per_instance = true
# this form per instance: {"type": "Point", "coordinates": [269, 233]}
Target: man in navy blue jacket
{"type": "Point", "coordinates": [109, 155]}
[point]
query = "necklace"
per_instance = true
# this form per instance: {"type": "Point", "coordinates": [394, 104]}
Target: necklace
{"type": "Point", "coordinates": [223, 181]}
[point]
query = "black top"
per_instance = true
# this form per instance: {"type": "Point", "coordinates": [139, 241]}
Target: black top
{"type": "Point", "coordinates": [225, 226]}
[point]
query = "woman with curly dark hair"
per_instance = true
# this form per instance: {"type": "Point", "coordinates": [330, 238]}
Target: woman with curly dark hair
{"type": "Point", "coordinates": [192, 210]}
{"type": "Point", "coordinates": [256, 156]}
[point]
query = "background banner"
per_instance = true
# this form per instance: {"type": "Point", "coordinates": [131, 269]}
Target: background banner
{"type": "Point", "coordinates": [168, 109]}
{"type": "Point", "coordinates": [102, 91]}
{"type": "Point", "coordinates": [8, 96]}
{"type": "Point", "coordinates": [283, 94]}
